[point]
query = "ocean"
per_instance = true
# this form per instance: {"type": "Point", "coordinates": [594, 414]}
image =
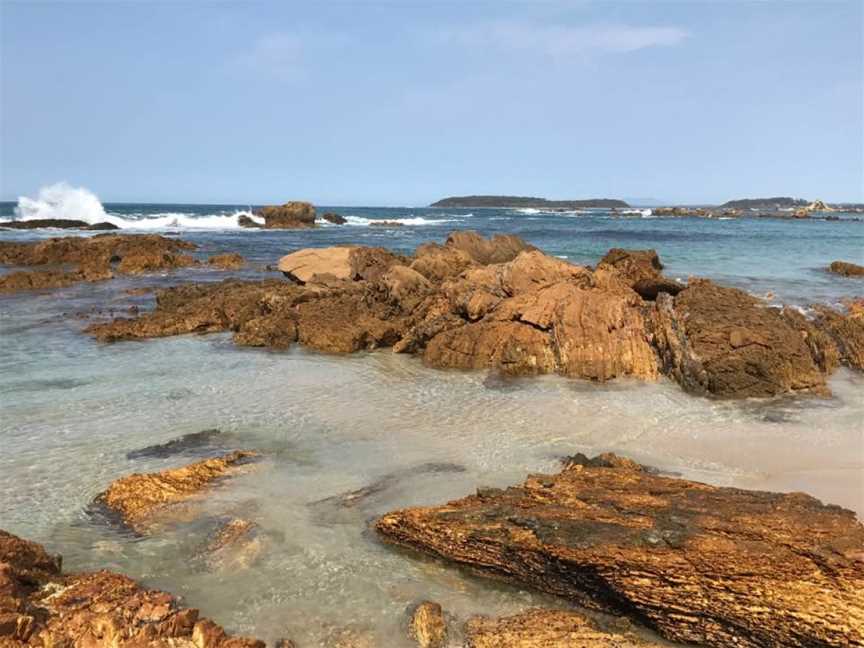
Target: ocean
{"type": "Point", "coordinates": [73, 409]}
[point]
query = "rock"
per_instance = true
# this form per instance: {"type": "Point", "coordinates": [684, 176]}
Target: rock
{"type": "Point", "coordinates": [40, 606]}
{"type": "Point", "coordinates": [143, 262]}
{"type": "Point", "coordinates": [228, 261]}
{"type": "Point", "coordinates": [55, 223]}
{"type": "Point", "coordinates": [499, 249]}
{"type": "Point", "coordinates": [334, 218]}
{"type": "Point", "coordinates": [847, 332]}
{"type": "Point", "coordinates": [405, 286]}
{"type": "Point", "coordinates": [139, 498]}
{"type": "Point", "coordinates": [846, 269]}
{"type": "Point", "coordinates": [235, 545]}
{"type": "Point", "coordinates": [722, 342]}
{"type": "Point", "coordinates": [427, 626]}
{"type": "Point", "coordinates": [385, 223]}
{"type": "Point", "coordinates": [822, 346]}
{"type": "Point", "coordinates": [291, 215]}
{"type": "Point", "coordinates": [700, 564]}
{"type": "Point", "coordinates": [439, 262]}
{"type": "Point", "coordinates": [192, 443]}
{"type": "Point", "coordinates": [37, 280]}
{"type": "Point", "coordinates": [545, 629]}
{"type": "Point", "coordinates": [303, 265]}
{"type": "Point", "coordinates": [640, 269]}
{"type": "Point", "coordinates": [246, 221]}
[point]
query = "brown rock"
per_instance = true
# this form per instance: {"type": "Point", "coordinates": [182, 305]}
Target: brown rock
{"type": "Point", "coordinates": [641, 270]}
{"type": "Point", "coordinates": [228, 261]}
{"type": "Point", "coordinates": [698, 563]}
{"type": "Point", "coordinates": [334, 218]}
{"type": "Point", "coordinates": [438, 262]}
{"type": "Point", "coordinates": [847, 332]}
{"type": "Point", "coordinates": [499, 249]}
{"type": "Point", "coordinates": [46, 608]}
{"type": "Point", "coordinates": [302, 266]}
{"type": "Point", "coordinates": [143, 262]}
{"type": "Point", "coordinates": [235, 545]}
{"type": "Point", "coordinates": [822, 346]}
{"type": "Point", "coordinates": [545, 629]}
{"type": "Point", "coordinates": [291, 215]}
{"type": "Point", "coordinates": [37, 280]}
{"type": "Point", "coordinates": [56, 223]}
{"type": "Point", "coordinates": [427, 625]}
{"type": "Point", "coordinates": [846, 269]}
{"type": "Point", "coordinates": [139, 498]}
{"type": "Point", "coordinates": [722, 342]}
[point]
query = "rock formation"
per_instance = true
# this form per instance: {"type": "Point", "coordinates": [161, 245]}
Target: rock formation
{"type": "Point", "coordinates": [697, 563]}
{"type": "Point", "coordinates": [41, 606]}
{"type": "Point", "coordinates": [291, 215]}
{"type": "Point", "coordinates": [56, 223]}
{"type": "Point", "coordinates": [846, 269]}
{"type": "Point", "coordinates": [334, 218]}
{"type": "Point", "coordinates": [227, 261]}
{"type": "Point", "coordinates": [641, 270]}
{"type": "Point", "coordinates": [427, 625]}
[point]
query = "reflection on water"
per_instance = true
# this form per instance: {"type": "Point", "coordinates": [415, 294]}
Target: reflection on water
{"type": "Point", "coordinates": [346, 439]}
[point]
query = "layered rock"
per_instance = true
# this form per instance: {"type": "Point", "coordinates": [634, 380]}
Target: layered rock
{"type": "Point", "coordinates": [41, 606]}
{"type": "Point", "coordinates": [698, 563]}
{"type": "Point", "coordinates": [641, 270]}
{"type": "Point", "coordinates": [291, 215]}
{"type": "Point", "coordinates": [846, 331]}
{"type": "Point", "coordinates": [227, 261]}
{"type": "Point", "coordinates": [723, 342]}
{"type": "Point", "coordinates": [427, 625]}
{"type": "Point", "coordinates": [140, 499]}
{"type": "Point", "coordinates": [846, 269]}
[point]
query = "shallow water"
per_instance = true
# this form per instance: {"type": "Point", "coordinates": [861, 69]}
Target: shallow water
{"type": "Point", "coordinates": [327, 425]}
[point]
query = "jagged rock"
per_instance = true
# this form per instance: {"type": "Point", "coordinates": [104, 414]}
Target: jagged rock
{"type": "Point", "coordinates": [56, 223]}
{"type": "Point", "coordinates": [698, 563]}
{"type": "Point", "coordinates": [641, 270]}
{"type": "Point", "coordinates": [228, 261]}
{"type": "Point", "coordinates": [723, 342]}
{"type": "Point", "coordinates": [846, 269]}
{"type": "Point", "coordinates": [291, 215]}
{"type": "Point", "coordinates": [439, 262]}
{"type": "Point", "coordinates": [139, 498]}
{"type": "Point", "coordinates": [427, 625]}
{"type": "Point", "coordinates": [143, 262]}
{"type": "Point", "coordinates": [847, 332]}
{"type": "Point", "coordinates": [334, 218]}
{"type": "Point", "coordinates": [540, 628]}
{"type": "Point", "coordinates": [822, 346]}
{"type": "Point", "coordinates": [498, 249]}
{"type": "Point", "coordinates": [40, 606]}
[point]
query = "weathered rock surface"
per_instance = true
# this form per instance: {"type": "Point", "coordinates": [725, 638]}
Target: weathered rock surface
{"type": "Point", "coordinates": [192, 443]}
{"type": "Point", "coordinates": [41, 606]}
{"type": "Point", "coordinates": [56, 223]}
{"type": "Point", "coordinates": [698, 563]}
{"type": "Point", "coordinates": [723, 342]}
{"type": "Point", "coordinates": [291, 215]}
{"type": "Point", "coordinates": [332, 217]}
{"type": "Point", "coordinates": [847, 332]}
{"type": "Point", "coordinates": [498, 249]}
{"type": "Point", "coordinates": [235, 545]}
{"type": "Point", "coordinates": [641, 270]}
{"type": "Point", "coordinates": [846, 269]}
{"type": "Point", "coordinates": [227, 261]}
{"type": "Point", "coordinates": [546, 629]}
{"type": "Point", "coordinates": [427, 625]}
{"type": "Point", "coordinates": [140, 498]}
{"type": "Point", "coordinates": [344, 263]}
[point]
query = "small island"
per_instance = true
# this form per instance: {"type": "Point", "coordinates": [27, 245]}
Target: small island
{"type": "Point", "coordinates": [526, 202]}
{"type": "Point", "coordinates": [778, 202]}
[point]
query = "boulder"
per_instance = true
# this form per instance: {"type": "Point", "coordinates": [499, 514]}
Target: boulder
{"type": "Point", "coordinates": [227, 261]}
{"type": "Point", "coordinates": [847, 332]}
{"type": "Point", "coordinates": [140, 498]}
{"type": "Point", "coordinates": [540, 628]}
{"type": "Point", "coordinates": [499, 249]}
{"type": "Point", "coordinates": [303, 265]}
{"type": "Point", "coordinates": [439, 262]}
{"type": "Point", "coordinates": [41, 606]}
{"type": "Point", "coordinates": [846, 269]}
{"type": "Point", "coordinates": [246, 221]}
{"type": "Point", "coordinates": [641, 270]}
{"type": "Point", "coordinates": [700, 564]}
{"type": "Point", "coordinates": [291, 215]}
{"type": "Point", "coordinates": [723, 342]}
{"type": "Point", "coordinates": [334, 218]}
{"type": "Point", "coordinates": [427, 625]}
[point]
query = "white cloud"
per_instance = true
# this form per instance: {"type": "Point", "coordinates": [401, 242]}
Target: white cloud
{"type": "Point", "coordinates": [565, 41]}
{"type": "Point", "coordinates": [285, 55]}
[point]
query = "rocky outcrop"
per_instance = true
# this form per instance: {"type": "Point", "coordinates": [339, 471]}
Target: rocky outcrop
{"type": "Point", "coordinates": [540, 628]}
{"type": "Point", "coordinates": [227, 261]}
{"type": "Point", "coordinates": [427, 626]}
{"type": "Point", "coordinates": [641, 270]}
{"type": "Point", "coordinates": [345, 263]}
{"type": "Point", "coordinates": [498, 249]}
{"type": "Point", "coordinates": [332, 217]}
{"type": "Point", "coordinates": [236, 544]}
{"type": "Point", "coordinates": [846, 331]}
{"type": "Point", "coordinates": [846, 269]}
{"type": "Point", "coordinates": [697, 563]}
{"type": "Point", "coordinates": [140, 498]}
{"type": "Point", "coordinates": [56, 223]}
{"type": "Point", "coordinates": [723, 342]}
{"type": "Point", "coordinates": [41, 606]}
{"type": "Point", "coordinates": [291, 215]}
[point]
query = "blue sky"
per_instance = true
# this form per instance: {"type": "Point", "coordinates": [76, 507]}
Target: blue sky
{"type": "Point", "coordinates": [400, 103]}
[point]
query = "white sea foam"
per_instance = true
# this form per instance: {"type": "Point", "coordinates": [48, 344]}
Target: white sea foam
{"type": "Point", "coordinates": [414, 220]}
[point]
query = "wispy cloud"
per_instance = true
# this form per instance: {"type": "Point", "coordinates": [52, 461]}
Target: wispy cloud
{"type": "Point", "coordinates": [562, 41]}
{"type": "Point", "coordinates": [285, 55]}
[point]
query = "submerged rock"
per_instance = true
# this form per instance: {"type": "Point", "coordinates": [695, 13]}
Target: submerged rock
{"type": "Point", "coordinates": [846, 269]}
{"type": "Point", "coordinates": [291, 215]}
{"type": "Point", "coordinates": [228, 261]}
{"type": "Point", "coordinates": [540, 628]}
{"type": "Point", "coordinates": [192, 443]}
{"type": "Point", "coordinates": [427, 625]}
{"type": "Point", "coordinates": [41, 606]}
{"type": "Point", "coordinates": [698, 563]}
{"type": "Point", "coordinates": [138, 499]}
{"type": "Point", "coordinates": [236, 544]}
{"type": "Point", "coordinates": [723, 342]}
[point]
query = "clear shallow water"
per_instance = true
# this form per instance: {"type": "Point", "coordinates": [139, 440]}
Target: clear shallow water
{"type": "Point", "coordinates": [72, 409]}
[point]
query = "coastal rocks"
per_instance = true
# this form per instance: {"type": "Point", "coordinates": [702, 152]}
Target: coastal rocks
{"type": "Point", "coordinates": [846, 269]}
{"type": "Point", "coordinates": [540, 628]}
{"type": "Point", "coordinates": [346, 263]}
{"type": "Point", "coordinates": [37, 280]}
{"type": "Point", "coordinates": [498, 249]}
{"type": "Point", "coordinates": [427, 625]}
{"type": "Point", "coordinates": [41, 606]}
{"type": "Point", "coordinates": [291, 215]}
{"type": "Point", "coordinates": [334, 218]}
{"type": "Point", "coordinates": [143, 262]}
{"type": "Point", "coordinates": [138, 499]}
{"type": "Point", "coordinates": [228, 261]}
{"type": "Point", "coordinates": [847, 332]}
{"type": "Point", "coordinates": [56, 223]}
{"type": "Point", "coordinates": [235, 545]}
{"type": "Point", "coordinates": [698, 563]}
{"type": "Point", "coordinates": [641, 270]}
{"type": "Point", "coordinates": [439, 262]}
{"type": "Point", "coordinates": [723, 342]}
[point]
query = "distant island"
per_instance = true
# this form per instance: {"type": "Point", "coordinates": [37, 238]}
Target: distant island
{"type": "Point", "coordinates": [526, 202]}
{"type": "Point", "coordinates": [779, 202]}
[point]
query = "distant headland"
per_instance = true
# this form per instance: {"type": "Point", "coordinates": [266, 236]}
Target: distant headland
{"type": "Point", "coordinates": [526, 202]}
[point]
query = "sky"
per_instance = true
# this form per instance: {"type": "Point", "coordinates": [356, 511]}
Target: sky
{"type": "Point", "coordinates": [402, 103]}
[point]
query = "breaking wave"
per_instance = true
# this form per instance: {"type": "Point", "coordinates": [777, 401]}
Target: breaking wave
{"type": "Point", "coordinates": [414, 220]}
